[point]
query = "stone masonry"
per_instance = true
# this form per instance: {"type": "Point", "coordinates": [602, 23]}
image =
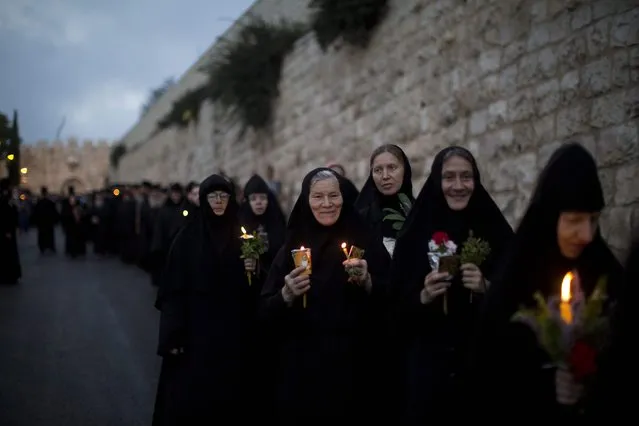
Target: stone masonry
{"type": "Point", "coordinates": [509, 79]}
{"type": "Point", "coordinates": [59, 164]}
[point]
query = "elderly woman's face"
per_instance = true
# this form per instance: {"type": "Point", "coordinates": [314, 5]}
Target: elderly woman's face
{"type": "Point", "coordinates": [326, 201]}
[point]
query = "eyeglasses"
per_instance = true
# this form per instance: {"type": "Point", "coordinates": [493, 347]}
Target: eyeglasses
{"type": "Point", "coordinates": [218, 196]}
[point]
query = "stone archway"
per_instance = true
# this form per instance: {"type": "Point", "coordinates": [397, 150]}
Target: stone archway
{"type": "Point", "coordinates": [75, 182]}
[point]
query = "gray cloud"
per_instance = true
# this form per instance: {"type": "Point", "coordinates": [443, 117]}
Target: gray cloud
{"type": "Point", "coordinates": [95, 62]}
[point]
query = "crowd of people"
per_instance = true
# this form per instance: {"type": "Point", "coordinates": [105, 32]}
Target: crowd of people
{"type": "Point", "coordinates": [374, 305]}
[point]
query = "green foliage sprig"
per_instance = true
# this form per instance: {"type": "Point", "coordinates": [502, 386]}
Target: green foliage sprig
{"type": "Point", "coordinates": [117, 152]}
{"type": "Point", "coordinates": [253, 246]}
{"type": "Point", "coordinates": [244, 77]}
{"type": "Point", "coordinates": [475, 250]}
{"type": "Point", "coordinates": [185, 109]}
{"type": "Point", "coordinates": [398, 218]}
{"type": "Point", "coordinates": [352, 20]}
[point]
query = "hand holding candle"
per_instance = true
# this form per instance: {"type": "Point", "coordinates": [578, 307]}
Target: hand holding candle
{"type": "Point", "coordinates": [356, 266]}
{"type": "Point", "coordinates": [252, 248]}
{"type": "Point", "coordinates": [302, 258]}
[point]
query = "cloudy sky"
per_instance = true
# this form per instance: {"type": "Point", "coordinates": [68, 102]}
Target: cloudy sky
{"type": "Point", "coordinates": [94, 62]}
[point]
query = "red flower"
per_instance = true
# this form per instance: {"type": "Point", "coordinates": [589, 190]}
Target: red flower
{"type": "Point", "coordinates": [440, 238]}
{"type": "Point", "coordinates": [583, 360]}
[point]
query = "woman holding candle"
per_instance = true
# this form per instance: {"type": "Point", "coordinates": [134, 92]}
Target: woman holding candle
{"type": "Point", "coordinates": [559, 234]}
{"type": "Point", "coordinates": [261, 213]}
{"type": "Point", "coordinates": [437, 311]}
{"type": "Point", "coordinates": [322, 346]}
{"type": "Point", "coordinates": [207, 323]}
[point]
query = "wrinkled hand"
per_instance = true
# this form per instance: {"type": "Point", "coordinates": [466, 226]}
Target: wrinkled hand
{"type": "Point", "coordinates": [357, 270]}
{"type": "Point", "coordinates": [250, 265]}
{"type": "Point", "coordinates": [435, 284]}
{"type": "Point", "coordinates": [567, 389]}
{"type": "Point", "coordinates": [295, 284]}
{"type": "Point", "coordinates": [472, 278]}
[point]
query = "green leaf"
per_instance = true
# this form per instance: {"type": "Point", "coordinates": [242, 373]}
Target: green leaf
{"type": "Point", "coordinates": [396, 217]}
{"type": "Point", "coordinates": [388, 210]}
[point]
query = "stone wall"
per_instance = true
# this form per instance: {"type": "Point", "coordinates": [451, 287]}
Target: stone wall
{"type": "Point", "coordinates": [509, 79]}
{"type": "Point", "coordinates": [59, 164]}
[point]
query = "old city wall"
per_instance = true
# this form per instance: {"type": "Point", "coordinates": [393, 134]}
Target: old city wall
{"type": "Point", "coordinates": [58, 164]}
{"type": "Point", "coordinates": [509, 79]}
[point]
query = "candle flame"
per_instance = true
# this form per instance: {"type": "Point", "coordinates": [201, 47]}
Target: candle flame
{"type": "Point", "coordinates": [243, 230]}
{"type": "Point", "coordinates": [302, 248]}
{"type": "Point", "coordinates": [343, 245]}
{"type": "Point", "coordinates": [565, 287]}
{"type": "Point", "coordinates": [185, 213]}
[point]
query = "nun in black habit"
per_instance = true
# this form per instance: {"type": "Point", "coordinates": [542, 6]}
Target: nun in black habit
{"type": "Point", "coordinates": [388, 187]}
{"type": "Point", "coordinates": [323, 371]}
{"type": "Point", "coordinates": [261, 213]}
{"type": "Point", "coordinates": [11, 270]}
{"type": "Point", "coordinates": [436, 311]}
{"type": "Point", "coordinates": [558, 234]}
{"type": "Point", "coordinates": [207, 319]}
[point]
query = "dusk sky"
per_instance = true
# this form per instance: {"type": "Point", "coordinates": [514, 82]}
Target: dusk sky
{"type": "Point", "coordinates": [95, 62]}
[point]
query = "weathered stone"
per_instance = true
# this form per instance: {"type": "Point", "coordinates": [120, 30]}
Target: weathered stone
{"type": "Point", "coordinates": [510, 80]}
{"type": "Point", "coordinates": [627, 189]}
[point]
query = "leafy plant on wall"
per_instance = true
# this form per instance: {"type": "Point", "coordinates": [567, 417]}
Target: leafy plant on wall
{"type": "Point", "coordinates": [244, 76]}
{"type": "Point", "coordinates": [185, 109]}
{"type": "Point", "coordinates": [117, 152]}
{"type": "Point", "coordinates": [351, 20]}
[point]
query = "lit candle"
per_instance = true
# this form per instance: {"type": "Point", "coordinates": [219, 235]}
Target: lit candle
{"type": "Point", "coordinates": [245, 235]}
{"type": "Point", "coordinates": [565, 307]}
{"type": "Point", "coordinates": [344, 250]}
{"type": "Point", "coordinates": [185, 213]}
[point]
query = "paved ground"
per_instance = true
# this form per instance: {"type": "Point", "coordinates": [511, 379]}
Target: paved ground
{"type": "Point", "coordinates": [77, 343]}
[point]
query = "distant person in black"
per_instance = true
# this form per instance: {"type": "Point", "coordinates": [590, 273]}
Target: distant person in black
{"type": "Point", "coordinates": [45, 217]}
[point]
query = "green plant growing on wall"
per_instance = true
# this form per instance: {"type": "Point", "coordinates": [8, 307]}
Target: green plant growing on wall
{"type": "Point", "coordinates": [351, 20]}
{"type": "Point", "coordinates": [244, 76]}
{"type": "Point", "coordinates": [185, 109]}
{"type": "Point", "coordinates": [117, 152]}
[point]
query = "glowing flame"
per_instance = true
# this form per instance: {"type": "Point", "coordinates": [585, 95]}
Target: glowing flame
{"type": "Point", "coordinates": [566, 294]}
{"type": "Point", "coordinates": [116, 192]}
{"type": "Point", "coordinates": [302, 248]}
{"type": "Point", "coordinates": [243, 230]}
{"type": "Point", "coordinates": [343, 245]}
{"type": "Point", "coordinates": [185, 213]}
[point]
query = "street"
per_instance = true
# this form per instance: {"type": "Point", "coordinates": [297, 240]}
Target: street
{"type": "Point", "coordinates": [77, 342]}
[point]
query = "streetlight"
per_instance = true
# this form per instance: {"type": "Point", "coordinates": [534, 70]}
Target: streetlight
{"type": "Point", "coordinates": [24, 170]}
{"type": "Point", "coordinates": [10, 157]}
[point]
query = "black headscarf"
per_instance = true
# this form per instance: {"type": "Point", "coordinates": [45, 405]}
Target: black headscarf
{"type": "Point", "coordinates": [273, 219]}
{"type": "Point", "coordinates": [569, 182]}
{"type": "Point", "coordinates": [371, 203]}
{"type": "Point", "coordinates": [224, 228]}
{"type": "Point", "coordinates": [431, 214]}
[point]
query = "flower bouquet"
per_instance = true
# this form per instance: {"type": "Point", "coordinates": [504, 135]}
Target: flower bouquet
{"type": "Point", "coordinates": [252, 247]}
{"type": "Point", "coordinates": [572, 330]}
{"type": "Point", "coordinates": [441, 254]}
{"type": "Point", "coordinates": [442, 258]}
{"type": "Point", "coordinates": [475, 251]}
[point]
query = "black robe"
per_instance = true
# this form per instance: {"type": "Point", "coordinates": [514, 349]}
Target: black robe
{"type": "Point", "coordinates": [507, 354]}
{"type": "Point", "coordinates": [11, 270]}
{"type": "Point", "coordinates": [323, 370]}
{"type": "Point", "coordinates": [45, 217]}
{"type": "Point", "coordinates": [436, 342]}
{"type": "Point", "coordinates": [168, 222]}
{"type": "Point", "coordinates": [208, 313]}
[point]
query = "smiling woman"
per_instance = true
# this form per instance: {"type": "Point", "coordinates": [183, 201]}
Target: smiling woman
{"type": "Point", "coordinates": [325, 198]}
